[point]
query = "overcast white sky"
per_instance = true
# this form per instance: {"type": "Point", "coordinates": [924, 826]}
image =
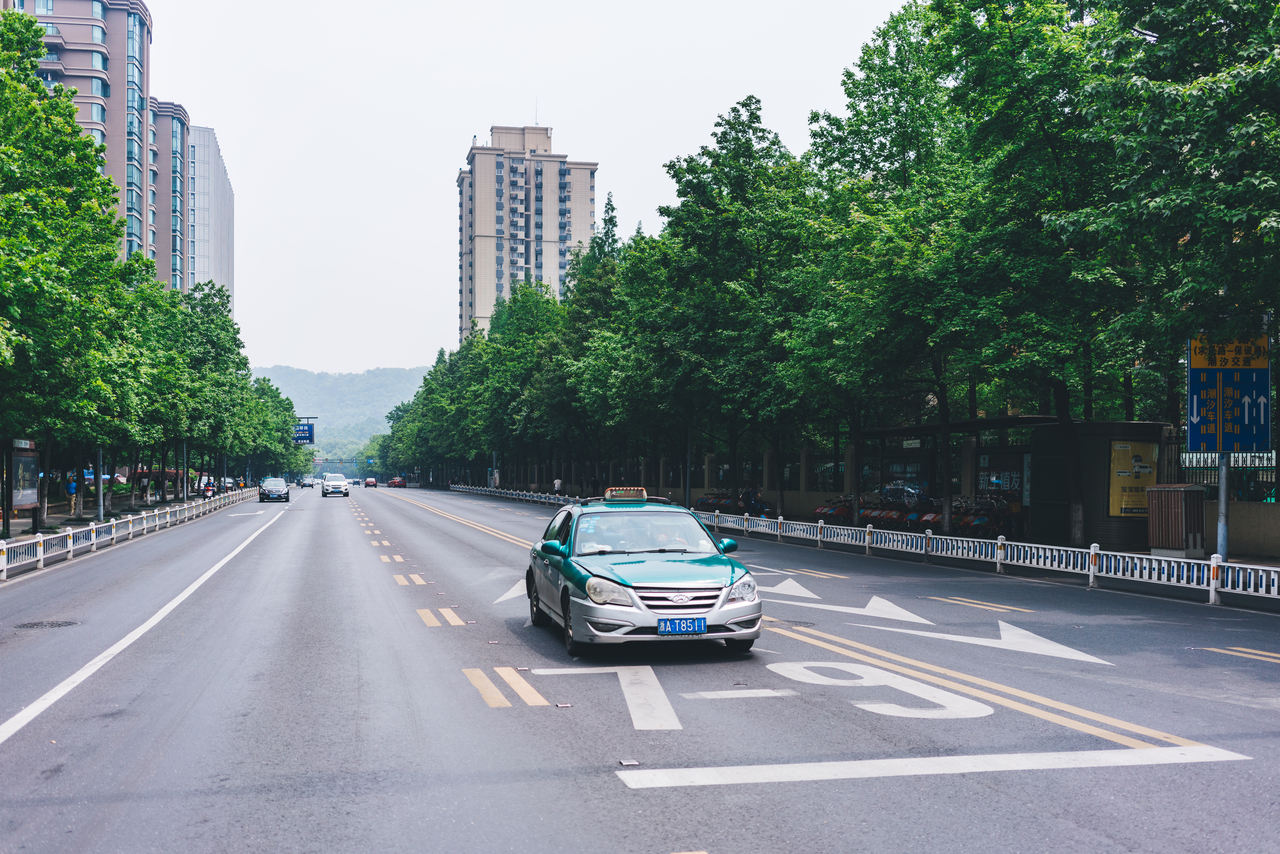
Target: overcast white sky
{"type": "Point", "coordinates": [344, 125]}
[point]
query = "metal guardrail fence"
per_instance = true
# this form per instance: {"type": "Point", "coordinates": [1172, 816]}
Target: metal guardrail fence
{"type": "Point", "coordinates": [65, 544]}
{"type": "Point", "coordinates": [1211, 576]}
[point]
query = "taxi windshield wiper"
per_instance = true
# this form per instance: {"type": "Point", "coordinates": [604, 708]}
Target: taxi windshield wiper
{"type": "Point", "coordinates": [660, 551]}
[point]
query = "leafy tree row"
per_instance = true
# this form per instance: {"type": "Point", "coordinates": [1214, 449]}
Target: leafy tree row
{"type": "Point", "coordinates": [94, 353]}
{"type": "Point", "coordinates": [1025, 206]}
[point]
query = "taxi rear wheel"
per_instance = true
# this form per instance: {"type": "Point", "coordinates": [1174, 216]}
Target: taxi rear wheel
{"type": "Point", "coordinates": [571, 646]}
{"type": "Point", "coordinates": [537, 616]}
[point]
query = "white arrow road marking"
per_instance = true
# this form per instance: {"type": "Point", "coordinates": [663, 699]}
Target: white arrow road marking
{"type": "Point", "coordinates": [862, 769]}
{"type": "Point", "coordinates": [877, 607]}
{"type": "Point", "coordinates": [1011, 637]}
{"type": "Point", "coordinates": [259, 513]}
{"type": "Point", "coordinates": [1195, 415]}
{"type": "Point", "coordinates": [517, 590]}
{"type": "Point", "coordinates": [790, 587]}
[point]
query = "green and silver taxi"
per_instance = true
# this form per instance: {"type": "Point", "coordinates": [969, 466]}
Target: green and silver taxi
{"type": "Point", "coordinates": [627, 568]}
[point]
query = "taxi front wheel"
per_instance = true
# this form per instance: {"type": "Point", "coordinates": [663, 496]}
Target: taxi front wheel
{"type": "Point", "coordinates": [738, 644]}
{"type": "Point", "coordinates": [571, 646]}
{"type": "Point", "coordinates": [537, 616]}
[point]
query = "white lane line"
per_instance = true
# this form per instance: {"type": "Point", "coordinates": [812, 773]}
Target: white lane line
{"type": "Point", "coordinates": [259, 513]}
{"type": "Point", "coordinates": [877, 607]}
{"type": "Point", "coordinates": [1011, 638]}
{"type": "Point", "coordinates": [27, 715]}
{"type": "Point", "coordinates": [863, 769]}
{"type": "Point", "coordinates": [741, 694]}
{"type": "Point", "coordinates": [769, 569]}
{"type": "Point", "coordinates": [646, 700]}
{"type": "Point", "coordinates": [790, 587]}
{"type": "Point", "coordinates": [517, 590]}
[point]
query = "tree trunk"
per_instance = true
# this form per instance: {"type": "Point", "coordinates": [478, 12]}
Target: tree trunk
{"type": "Point", "coordinates": [1088, 379]}
{"type": "Point", "coordinates": [81, 494]}
{"type": "Point", "coordinates": [775, 442]}
{"type": "Point", "coordinates": [42, 484]}
{"type": "Point", "coordinates": [1128, 394]}
{"type": "Point", "coordinates": [1071, 448]}
{"type": "Point", "coordinates": [944, 440]}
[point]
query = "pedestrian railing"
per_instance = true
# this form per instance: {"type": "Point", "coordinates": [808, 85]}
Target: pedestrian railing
{"type": "Point", "coordinates": [516, 495]}
{"type": "Point", "coordinates": [64, 545]}
{"type": "Point", "coordinates": [1211, 575]}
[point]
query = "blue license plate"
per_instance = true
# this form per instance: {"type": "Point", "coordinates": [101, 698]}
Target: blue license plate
{"type": "Point", "coordinates": [682, 626]}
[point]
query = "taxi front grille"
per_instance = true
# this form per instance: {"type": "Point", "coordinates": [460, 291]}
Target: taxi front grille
{"type": "Point", "coordinates": [694, 600]}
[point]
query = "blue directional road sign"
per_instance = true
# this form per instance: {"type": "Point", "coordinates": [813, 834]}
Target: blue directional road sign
{"type": "Point", "coordinates": [1228, 397]}
{"type": "Point", "coordinates": [304, 434]}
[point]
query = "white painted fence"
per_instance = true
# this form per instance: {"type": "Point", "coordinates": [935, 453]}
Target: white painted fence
{"type": "Point", "coordinates": [95, 535]}
{"type": "Point", "coordinates": [1211, 575]}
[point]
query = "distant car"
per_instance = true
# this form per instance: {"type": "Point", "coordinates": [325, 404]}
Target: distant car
{"type": "Point", "coordinates": [334, 484]}
{"type": "Point", "coordinates": [308, 483]}
{"type": "Point", "coordinates": [273, 489]}
{"type": "Point", "coordinates": [396, 482]}
{"type": "Point", "coordinates": [371, 483]}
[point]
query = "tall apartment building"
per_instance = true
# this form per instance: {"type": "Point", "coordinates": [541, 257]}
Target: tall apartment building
{"type": "Point", "coordinates": [211, 220]}
{"type": "Point", "coordinates": [521, 211]}
{"type": "Point", "coordinates": [101, 48]}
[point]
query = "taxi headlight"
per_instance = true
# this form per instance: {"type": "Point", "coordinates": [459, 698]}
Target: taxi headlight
{"type": "Point", "coordinates": [604, 592]}
{"type": "Point", "coordinates": [743, 591]}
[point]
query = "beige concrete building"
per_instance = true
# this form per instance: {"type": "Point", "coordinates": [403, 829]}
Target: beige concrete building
{"type": "Point", "coordinates": [211, 214]}
{"type": "Point", "coordinates": [521, 211]}
{"type": "Point", "coordinates": [101, 48]}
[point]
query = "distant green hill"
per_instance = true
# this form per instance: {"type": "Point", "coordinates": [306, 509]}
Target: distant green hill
{"type": "Point", "coordinates": [349, 408]}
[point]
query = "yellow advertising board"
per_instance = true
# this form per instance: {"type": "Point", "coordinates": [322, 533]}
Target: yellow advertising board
{"type": "Point", "coordinates": [1237, 355]}
{"type": "Point", "coordinates": [1133, 469]}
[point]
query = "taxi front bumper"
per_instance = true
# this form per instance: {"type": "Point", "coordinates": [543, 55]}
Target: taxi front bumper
{"type": "Point", "coordinates": [604, 624]}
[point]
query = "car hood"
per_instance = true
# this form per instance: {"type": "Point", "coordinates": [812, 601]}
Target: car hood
{"type": "Point", "coordinates": [656, 569]}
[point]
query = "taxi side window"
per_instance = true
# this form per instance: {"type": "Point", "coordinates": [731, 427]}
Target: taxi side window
{"type": "Point", "coordinates": [565, 527]}
{"type": "Point", "coordinates": [557, 525]}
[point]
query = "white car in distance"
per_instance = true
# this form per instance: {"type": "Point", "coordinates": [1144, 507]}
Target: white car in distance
{"type": "Point", "coordinates": [334, 484]}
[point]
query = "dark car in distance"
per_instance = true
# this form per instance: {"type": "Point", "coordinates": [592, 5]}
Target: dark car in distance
{"type": "Point", "coordinates": [273, 489]}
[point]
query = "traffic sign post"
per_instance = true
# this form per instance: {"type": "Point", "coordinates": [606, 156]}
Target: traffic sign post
{"type": "Point", "coordinates": [1228, 397]}
{"type": "Point", "coordinates": [1228, 407]}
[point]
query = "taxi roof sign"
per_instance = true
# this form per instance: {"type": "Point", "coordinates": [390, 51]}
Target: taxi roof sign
{"type": "Point", "coordinates": [626, 493]}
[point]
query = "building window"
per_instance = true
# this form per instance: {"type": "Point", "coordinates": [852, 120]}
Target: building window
{"type": "Point", "coordinates": [44, 7]}
{"type": "Point", "coordinates": [98, 136]}
{"type": "Point", "coordinates": [151, 233]}
{"type": "Point", "coordinates": [98, 35]}
{"type": "Point", "coordinates": [51, 30]}
{"type": "Point", "coordinates": [97, 113]}
{"type": "Point", "coordinates": [99, 61]}
{"type": "Point", "coordinates": [177, 184]}
{"type": "Point", "coordinates": [176, 223]}
{"type": "Point", "coordinates": [177, 279]}
{"type": "Point", "coordinates": [151, 219]}
{"type": "Point", "coordinates": [192, 249]}
{"type": "Point", "coordinates": [99, 10]}
{"type": "Point", "coordinates": [51, 56]}
{"type": "Point", "coordinates": [177, 135]}
{"type": "Point", "coordinates": [133, 176]}
{"type": "Point", "coordinates": [152, 195]}
{"type": "Point", "coordinates": [155, 177]}
{"type": "Point", "coordinates": [101, 88]}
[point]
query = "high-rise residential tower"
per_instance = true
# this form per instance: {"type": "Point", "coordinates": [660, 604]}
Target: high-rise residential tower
{"type": "Point", "coordinates": [521, 211]}
{"type": "Point", "coordinates": [211, 214]}
{"type": "Point", "coordinates": [101, 48]}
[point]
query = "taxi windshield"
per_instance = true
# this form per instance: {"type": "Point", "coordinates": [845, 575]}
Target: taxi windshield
{"type": "Point", "coordinates": [624, 532]}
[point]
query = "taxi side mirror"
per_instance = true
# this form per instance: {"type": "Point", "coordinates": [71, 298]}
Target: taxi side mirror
{"type": "Point", "coordinates": [552, 549]}
{"type": "Point", "coordinates": [729, 545]}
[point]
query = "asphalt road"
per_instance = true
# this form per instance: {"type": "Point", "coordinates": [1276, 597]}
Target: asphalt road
{"type": "Point", "coordinates": [361, 676]}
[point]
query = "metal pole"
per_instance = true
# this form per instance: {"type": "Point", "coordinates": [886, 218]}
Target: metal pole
{"type": "Point", "coordinates": [1224, 474]}
{"type": "Point", "coordinates": [184, 470]}
{"type": "Point", "coordinates": [98, 472]}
